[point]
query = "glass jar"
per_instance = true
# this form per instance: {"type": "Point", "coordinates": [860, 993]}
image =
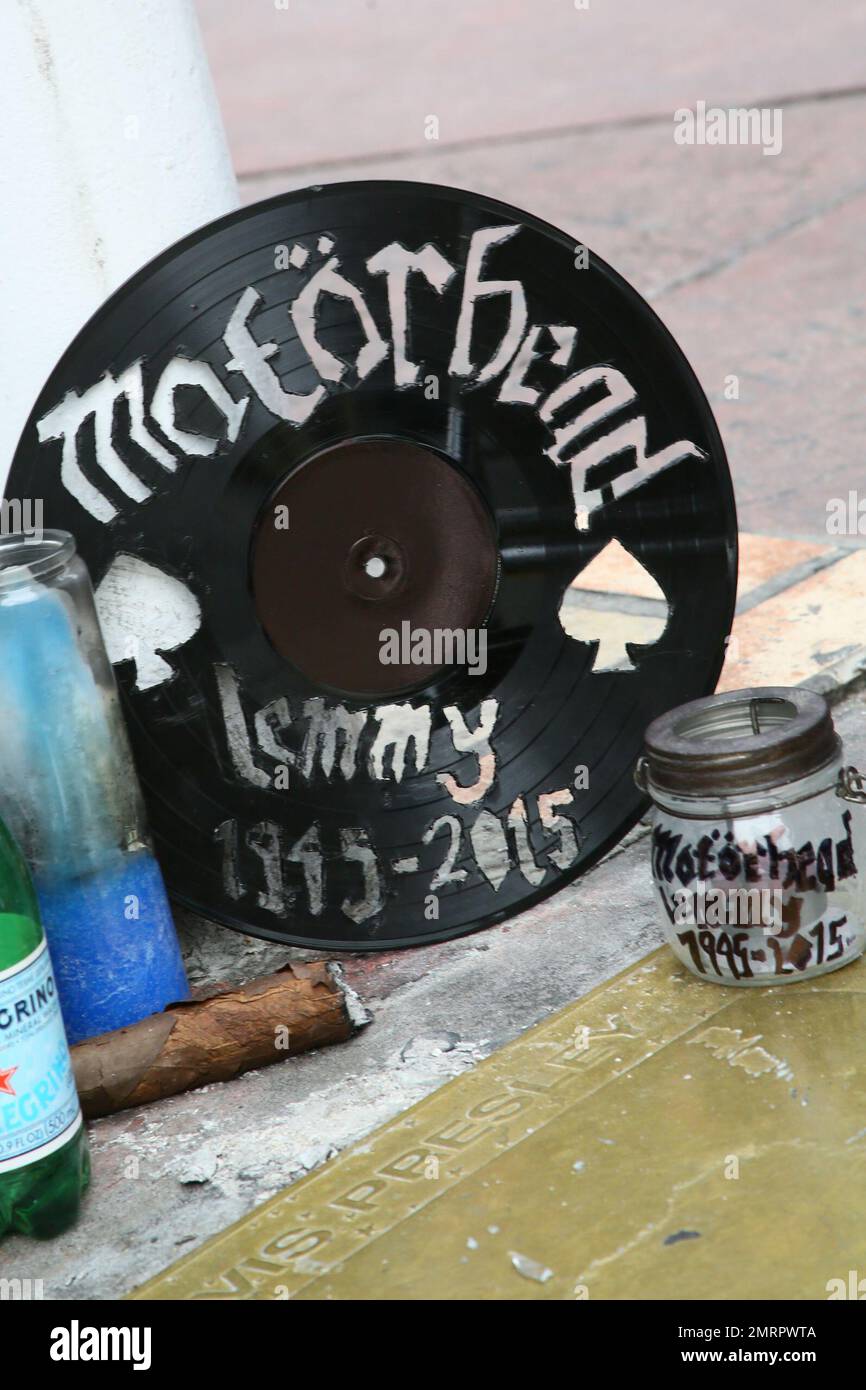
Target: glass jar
{"type": "Point", "coordinates": [755, 845]}
{"type": "Point", "coordinates": [70, 795]}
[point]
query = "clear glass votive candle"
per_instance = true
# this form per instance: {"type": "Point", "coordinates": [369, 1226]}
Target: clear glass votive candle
{"type": "Point", "coordinates": [756, 839]}
{"type": "Point", "coordinates": [70, 795]}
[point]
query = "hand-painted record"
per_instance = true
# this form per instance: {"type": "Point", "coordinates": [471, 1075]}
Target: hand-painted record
{"type": "Point", "coordinates": [334, 462]}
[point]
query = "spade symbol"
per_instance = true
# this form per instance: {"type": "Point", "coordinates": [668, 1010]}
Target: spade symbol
{"type": "Point", "coordinates": [144, 611]}
{"type": "Point", "coordinates": [618, 604]}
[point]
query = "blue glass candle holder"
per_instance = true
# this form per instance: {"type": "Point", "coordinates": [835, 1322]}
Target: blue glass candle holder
{"type": "Point", "coordinates": [70, 795]}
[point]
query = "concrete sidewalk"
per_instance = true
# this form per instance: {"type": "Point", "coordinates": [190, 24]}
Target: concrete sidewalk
{"type": "Point", "coordinates": [302, 84]}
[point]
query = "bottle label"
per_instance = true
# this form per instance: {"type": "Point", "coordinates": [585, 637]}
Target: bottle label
{"type": "Point", "coordinates": [39, 1109]}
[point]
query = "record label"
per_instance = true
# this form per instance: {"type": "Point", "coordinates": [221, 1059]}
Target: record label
{"type": "Point", "coordinates": [334, 462]}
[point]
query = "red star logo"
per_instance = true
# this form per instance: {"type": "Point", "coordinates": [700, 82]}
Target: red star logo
{"type": "Point", "coordinates": [5, 1088]}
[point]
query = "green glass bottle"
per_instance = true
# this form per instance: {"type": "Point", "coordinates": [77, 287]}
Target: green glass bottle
{"type": "Point", "coordinates": [44, 1160]}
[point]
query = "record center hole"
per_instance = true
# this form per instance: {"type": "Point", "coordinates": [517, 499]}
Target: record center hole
{"type": "Point", "coordinates": [375, 567]}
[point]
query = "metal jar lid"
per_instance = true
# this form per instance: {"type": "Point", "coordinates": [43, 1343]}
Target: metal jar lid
{"type": "Point", "coordinates": [739, 742]}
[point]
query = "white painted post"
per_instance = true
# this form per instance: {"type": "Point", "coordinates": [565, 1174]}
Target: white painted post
{"type": "Point", "coordinates": [111, 148]}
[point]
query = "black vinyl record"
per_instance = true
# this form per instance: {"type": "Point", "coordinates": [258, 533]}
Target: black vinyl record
{"type": "Point", "coordinates": [334, 461]}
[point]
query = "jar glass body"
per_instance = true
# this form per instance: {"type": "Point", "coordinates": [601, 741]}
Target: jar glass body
{"type": "Point", "coordinates": [70, 795]}
{"type": "Point", "coordinates": [760, 888]}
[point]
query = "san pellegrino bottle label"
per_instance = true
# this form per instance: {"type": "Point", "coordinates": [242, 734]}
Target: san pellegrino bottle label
{"type": "Point", "coordinates": [39, 1108]}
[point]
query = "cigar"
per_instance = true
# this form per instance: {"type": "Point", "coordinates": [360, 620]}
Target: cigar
{"type": "Point", "coordinates": [215, 1037]}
